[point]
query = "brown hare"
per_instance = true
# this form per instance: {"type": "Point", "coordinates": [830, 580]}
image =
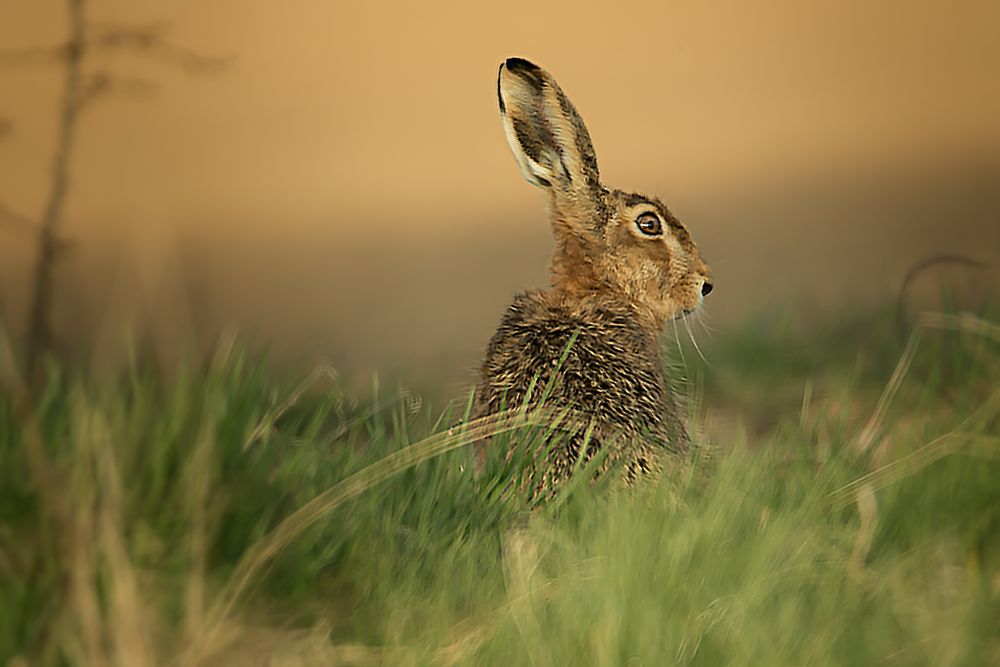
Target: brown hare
{"type": "Point", "coordinates": [623, 266]}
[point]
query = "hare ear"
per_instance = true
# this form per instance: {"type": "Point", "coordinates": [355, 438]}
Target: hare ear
{"type": "Point", "coordinates": [548, 137]}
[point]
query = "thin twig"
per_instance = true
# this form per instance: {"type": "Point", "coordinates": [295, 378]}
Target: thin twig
{"type": "Point", "coordinates": [919, 267]}
{"type": "Point", "coordinates": [101, 84]}
{"type": "Point", "coordinates": [149, 41]}
{"type": "Point", "coordinates": [78, 92]}
{"type": "Point", "coordinates": [39, 322]}
{"type": "Point", "coordinates": [145, 40]}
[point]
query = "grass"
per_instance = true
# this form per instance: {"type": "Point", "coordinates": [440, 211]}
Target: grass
{"type": "Point", "coordinates": [843, 508]}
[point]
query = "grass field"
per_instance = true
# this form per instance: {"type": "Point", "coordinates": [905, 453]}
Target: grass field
{"type": "Point", "coordinates": [842, 508]}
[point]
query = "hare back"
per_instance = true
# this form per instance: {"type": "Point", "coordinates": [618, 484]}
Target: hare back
{"type": "Point", "coordinates": [595, 358]}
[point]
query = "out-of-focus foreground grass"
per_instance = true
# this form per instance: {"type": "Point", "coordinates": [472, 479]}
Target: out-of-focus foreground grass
{"type": "Point", "coordinates": [843, 507]}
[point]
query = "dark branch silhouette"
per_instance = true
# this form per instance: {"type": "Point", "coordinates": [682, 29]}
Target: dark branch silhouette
{"type": "Point", "coordinates": [916, 270]}
{"type": "Point", "coordinates": [147, 41]}
{"type": "Point", "coordinates": [39, 322]}
{"type": "Point", "coordinates": [102, 83]}
{"type": "Point", "coordinates": [79, 90]}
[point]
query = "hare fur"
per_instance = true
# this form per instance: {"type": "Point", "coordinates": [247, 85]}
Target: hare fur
{"type": "Point", "coordinates": [622, 267]}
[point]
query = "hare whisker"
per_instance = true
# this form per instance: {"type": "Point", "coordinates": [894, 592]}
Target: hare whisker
{"type": "Point", "coordinates": [680, 348]}
{"type": "Point", "coordinates": [695, 343]}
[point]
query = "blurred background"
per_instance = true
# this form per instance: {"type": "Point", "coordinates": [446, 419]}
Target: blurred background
{"type": "Point", "coordinates": [341, 190]}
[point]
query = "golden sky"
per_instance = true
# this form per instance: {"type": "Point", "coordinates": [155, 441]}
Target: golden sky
{"type": "Point", "coordinates": [374, 125]}
{"type": "Point", "coordinates": [372, 108]}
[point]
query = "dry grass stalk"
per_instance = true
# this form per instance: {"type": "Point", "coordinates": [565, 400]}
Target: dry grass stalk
{"type": "Point", "coordinates": [964, 322]}
{"type": "Point", "coordinates": [266, 425]}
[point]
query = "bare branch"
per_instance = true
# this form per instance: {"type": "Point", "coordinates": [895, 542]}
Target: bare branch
{"type": "Point", "coordinates": [79, 90]}
{"type": "Point", "coordinates": [146, 40]}
{"type": "Point", "coordinates": [111, 34]}
{"type": "Point", "coordinates": [5, 127]}
{"type": "Point", "coordinates": [918, 268]}
{"type": "Point", "coordinates": [39, 339]}
{"type": "Point", "coordinates": [149, 41]}
{"type": "Point", "coordinates": [92, 87]}
{"type": "Point", "coordinates": [102, 83]}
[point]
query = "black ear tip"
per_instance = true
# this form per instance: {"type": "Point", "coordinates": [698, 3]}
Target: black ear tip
{"type": "Point", "coordinates": [521, 65]}
{"type": "Point", "coordinates": [528, 71]}
{"type": "Point", "coordinates": [503, 107]}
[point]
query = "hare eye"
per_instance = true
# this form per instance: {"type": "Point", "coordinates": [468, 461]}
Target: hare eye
{"type": "Point", "coordinates": [649, 224]}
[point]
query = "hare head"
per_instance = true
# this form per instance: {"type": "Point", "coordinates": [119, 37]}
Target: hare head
{"type": "Point", "coordinates": [608, 242]}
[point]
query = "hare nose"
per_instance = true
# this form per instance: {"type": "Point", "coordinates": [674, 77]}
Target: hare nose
{"type": "Point", "coordinates": [706, 288]}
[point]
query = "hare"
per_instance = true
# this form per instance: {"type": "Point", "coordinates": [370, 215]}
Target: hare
{"type": "Point", "coordinates": [623, 266]}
